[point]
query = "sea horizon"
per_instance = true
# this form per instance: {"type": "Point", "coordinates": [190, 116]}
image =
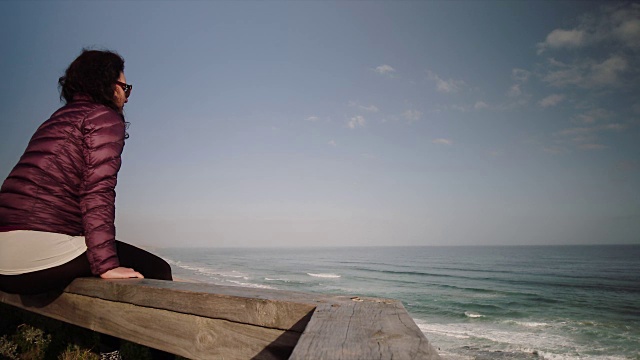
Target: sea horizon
{"type": "Point", "coordinates": [150, 246]}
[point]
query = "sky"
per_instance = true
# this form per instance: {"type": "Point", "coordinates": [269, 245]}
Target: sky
{"type": "Point", "coordinates": [363, 123]}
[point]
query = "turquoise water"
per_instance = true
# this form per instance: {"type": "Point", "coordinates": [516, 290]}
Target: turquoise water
{"type": "Point", "coordinates": [564, 302]}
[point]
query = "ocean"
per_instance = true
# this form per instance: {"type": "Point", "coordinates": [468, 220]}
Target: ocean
{"type": "Point", "coordinates": [551, 302]}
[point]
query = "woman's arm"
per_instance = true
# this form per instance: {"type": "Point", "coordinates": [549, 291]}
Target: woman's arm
{"type": "Point", "coordinates": [103, 141]}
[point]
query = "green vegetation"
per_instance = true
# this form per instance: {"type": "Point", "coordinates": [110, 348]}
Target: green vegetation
{"type": "Point", "coordinates": [28, 336]}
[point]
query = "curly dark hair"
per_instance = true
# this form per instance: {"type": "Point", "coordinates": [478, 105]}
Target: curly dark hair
{"type": "Point", "coordinates": [93, 73]}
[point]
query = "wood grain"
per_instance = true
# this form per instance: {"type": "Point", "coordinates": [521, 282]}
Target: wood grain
{"type": "Point", "coordinates": [363, 329]}
{"type": "Point", "coordinates": [200, 321]}
{"type": "Point", "coordinates": [279, 310]}
{"type": "Point", "coordinates": [186, 335]}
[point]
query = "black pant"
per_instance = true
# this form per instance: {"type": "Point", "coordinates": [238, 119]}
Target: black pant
{"type": "Point", "coordinates": [57, 278]}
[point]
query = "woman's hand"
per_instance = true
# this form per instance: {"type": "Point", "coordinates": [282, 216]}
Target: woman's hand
{"type": "Point", "coordinates": [121, 273]}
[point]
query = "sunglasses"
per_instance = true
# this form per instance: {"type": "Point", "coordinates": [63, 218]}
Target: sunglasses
{"type": "Point", "coordinates": [125, 87]}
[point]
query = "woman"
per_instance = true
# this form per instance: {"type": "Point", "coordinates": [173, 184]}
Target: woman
{"type": "Point", "coordinates": [57, 206]}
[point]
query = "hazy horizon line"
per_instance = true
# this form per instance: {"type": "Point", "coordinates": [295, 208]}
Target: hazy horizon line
{"type": "Point", "coordinates": [380, 246]}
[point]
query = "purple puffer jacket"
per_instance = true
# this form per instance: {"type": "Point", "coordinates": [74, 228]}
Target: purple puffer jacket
{"type": "Point", "coordinates": [65, 180]}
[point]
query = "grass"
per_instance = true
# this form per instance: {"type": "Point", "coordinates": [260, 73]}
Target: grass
{"type": "Point", "coordinates": [29, 336]}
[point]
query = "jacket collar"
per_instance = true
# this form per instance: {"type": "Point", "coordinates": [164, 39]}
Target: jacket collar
{"type": "Point", "coordinates": [81, 97]}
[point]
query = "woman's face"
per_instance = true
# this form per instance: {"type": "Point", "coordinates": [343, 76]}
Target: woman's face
{"type": "Point", "coordinates": [120, 98]}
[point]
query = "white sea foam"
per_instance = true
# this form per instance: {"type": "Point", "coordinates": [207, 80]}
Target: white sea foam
{"type": "Point", "coordinates": [531, 324]}
{"type": "Point", "coordinates": [472, 314]}
{"type": "Point", "coordinates": [198, 270]}
{"type": "Point", "coordinates": [556, 346]}
{"type": "Point", "coordinates": [326, 276]}
{"type": "Point", "coordinates": [250, 285]}
{"type": "Point", "coordinates": [222, 277]}
{"type": "Point", "coordinates": [442, 330]}
{"type": "Point", "coordinates": [444, 355]}
{"type": "Point", "coordinates": [551, 356]}
{"type": "Point", "coordinates": [521, 339]}
{"type": "Point", "coordinates": [212, 272]}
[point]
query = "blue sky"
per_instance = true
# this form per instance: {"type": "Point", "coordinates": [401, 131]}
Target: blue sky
{"type": "Point", "coordinates": [353, 123]}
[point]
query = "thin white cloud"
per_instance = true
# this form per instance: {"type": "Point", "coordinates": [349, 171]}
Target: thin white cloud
{"type": "Point", "coordinates": [551, 100]}
{"type": "Point", "coordinates": [588, 73]}
{"type": "Point", "coordinates": [588, 130]}
{"type": "Point", "coordinates": [332, 143]}
{"type": "Point", "coordinates": [575, 131]}
{"type": "Point", "coordinates": [520, 75]}
{"type": "Point", "coordinates": [356, 121]}
{"type": "Point", "coordinates": [586, 137]}
{"type": "Point", "coordinates": [568, 75]}
{"type": "Point", "coordinates": [449, 86]}
{"type": "Point", "coordinates": [458, 107]}
{"type": "Point", "coordinates": [626, 166]}
{"type": "Point", "coordinates": [613, 127]}
{"type": "Point", "coordinates": [390, 118]}
{"type": "Point", "coordinates": [461, 107]}
{"type": "Point", "coordinates": [479, 105]}
{"type": "Point", "coordinates": [616, 24]}
{"type": "Point", "coordinates": [519, 97]}
{"type": "Point", "coordinates": [603, 46]}
{"type": "Point", "coordinates": [560, 38]}
{"type": "Point", "coordinates": [515, 91]}
{"type": "Point", "coordinates": [594, 115]}
{"type": "Point", "coordinates": [581, 140]}
{"type": "Point", "coordinates": [412, 115]}
{"type": "Point", "coordinates": [446, 86]}
{"type": "Point", "coordinates": [312, 118]}
{"type": "Point", "coordinates": [624, 25]}
{"type": "Point", "coordinates": [628, 32]}
{"type": "Point", "coordinates": [370, 108]}
{"type": "Point", "coordinates": [442, 141]}
{"type": "Point", "coordinates": [607, 72]}
{"type": "Point", "coordinates": [384, 69]}
{"type": "Point", "coordinates": [591, 146]}
{"type": "Point", "coordinates": [556, 63]}
{"type": "Point", "coordinates": [554, 149]}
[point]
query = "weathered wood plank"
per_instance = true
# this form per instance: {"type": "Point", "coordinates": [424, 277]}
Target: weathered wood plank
{"type": "Point", "coordinates": [273, 309]}
{"type": "Point", "coordinates": [186, 335]}
{"type": "Point", "coordinates": [363, 329]}
{"type": "Point", "coordinates": [202, 321]}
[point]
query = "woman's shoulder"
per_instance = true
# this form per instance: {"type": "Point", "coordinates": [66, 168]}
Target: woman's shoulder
{"type": "Point", "coordinates": [85, 103]}
{"type": "Point", "coordinates": [85, 110]}
{"type": "Point", "coordinates": [79, 108]}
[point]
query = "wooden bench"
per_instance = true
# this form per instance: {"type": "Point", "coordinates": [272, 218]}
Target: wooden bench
{"type": "Point", "coordinates": [201, 321]}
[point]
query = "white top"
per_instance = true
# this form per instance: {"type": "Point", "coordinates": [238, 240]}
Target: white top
{"type": "Point", "coordinates": [23, 251]}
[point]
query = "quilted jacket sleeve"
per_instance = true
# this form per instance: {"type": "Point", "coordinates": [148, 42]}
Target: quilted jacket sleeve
{"type": "Point", "coordinates": [103, 141]}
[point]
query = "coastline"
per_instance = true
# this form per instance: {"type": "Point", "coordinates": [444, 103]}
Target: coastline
{"type": "Point", "coordinates": [470, 302]}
